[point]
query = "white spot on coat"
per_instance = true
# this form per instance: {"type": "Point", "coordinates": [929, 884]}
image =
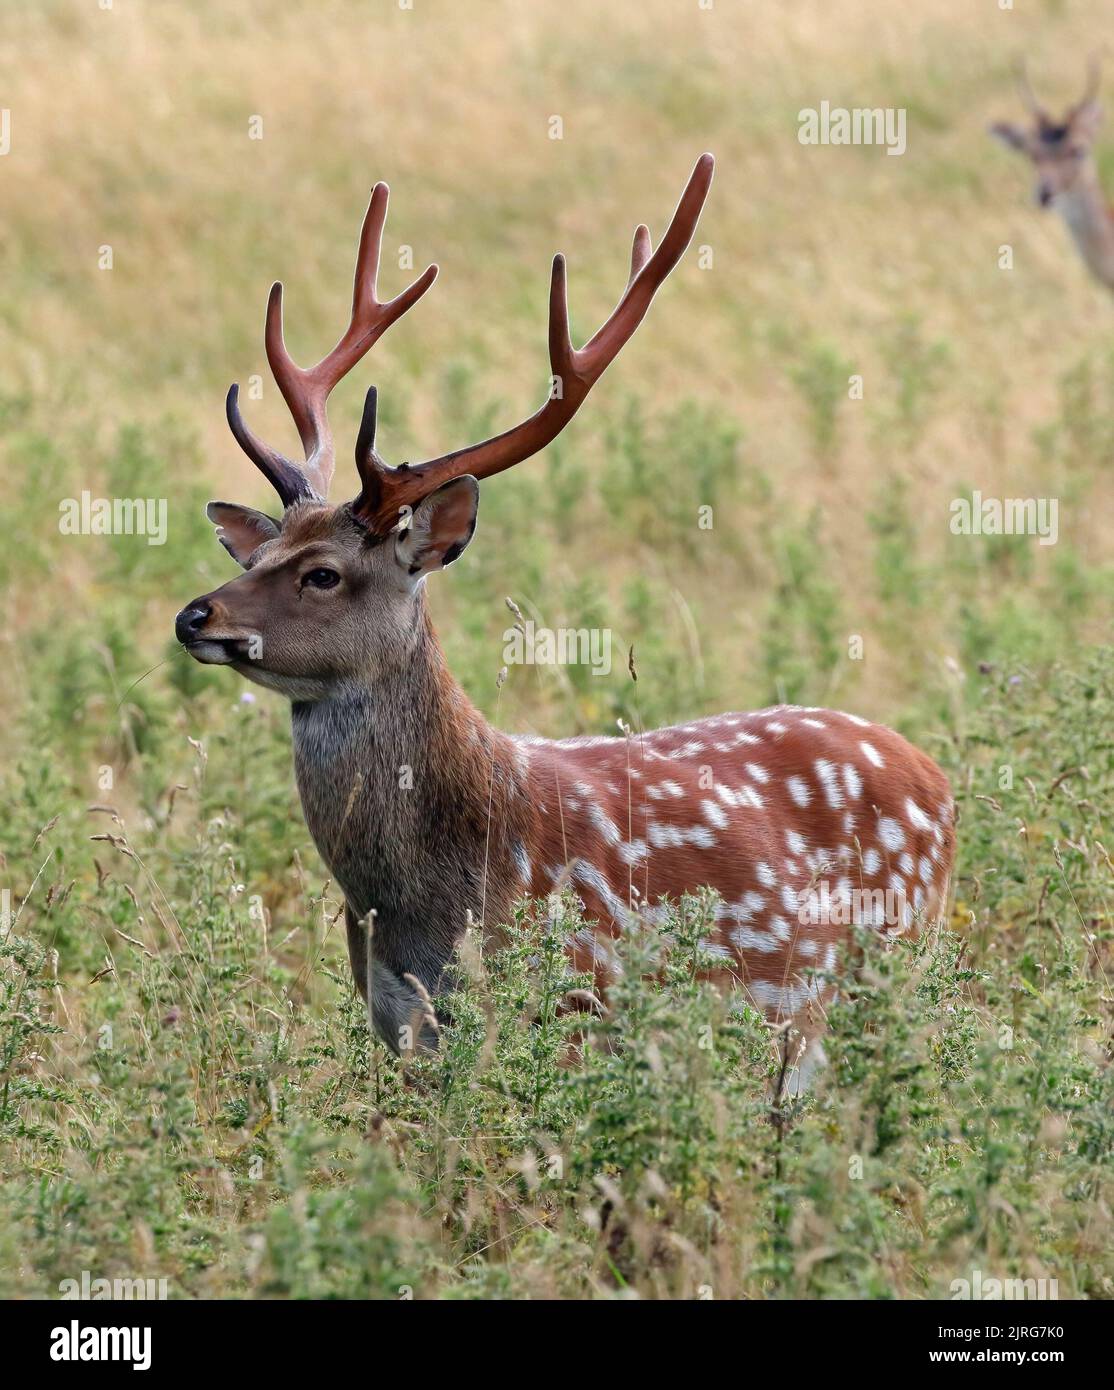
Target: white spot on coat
{"type": "Point", "coordinates": [522, 862]}
{"type": "Point", "coordinates": [781, 928]}
{"type": "Point", "coordinates": [604, 824]}
{"type": "Point", "coordinates": [744, 909]}
{"type": "Point", "coordinates": [827, 775]}
{"type": "Point", "coordinates": [747, 939]}
{"type": "Point", "coordinates": [873, 754]}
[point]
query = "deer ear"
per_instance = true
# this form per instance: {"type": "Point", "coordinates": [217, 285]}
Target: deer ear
{"type": "Point", "coordinates": [1009, 134]}
{"type": "Point", "coordinates": [241, 530]}
{"type": "Point", "coordinates": [441, 525]}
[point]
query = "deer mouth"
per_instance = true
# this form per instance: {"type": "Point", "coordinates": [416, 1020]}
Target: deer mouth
{"type": "Point", "coordinates": [217, 651]}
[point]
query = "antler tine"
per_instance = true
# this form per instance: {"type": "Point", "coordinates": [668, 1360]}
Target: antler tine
{"type": "Point", "coordinates": [368, 463]}
{"type": "Point", "coordinates": [1028, 96]}
{"type": "Point", "coordinates": [574, 371]}
{"type": "Point", "coordinates": [640, 250]}
{"type": "Point", "coordinates": [287, 479]}
{"type": "Point", "coordinates": [1094, 77]}
{"type": "Point", "coordinates": [647, 280]}
{"type": "Point", "coordinates": [306, 389]}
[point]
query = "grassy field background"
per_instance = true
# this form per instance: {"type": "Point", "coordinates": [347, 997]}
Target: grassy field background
{"type": "Point", "coordinates": [186, 1088]}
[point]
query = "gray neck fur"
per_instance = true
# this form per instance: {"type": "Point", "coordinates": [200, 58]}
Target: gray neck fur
{"type": "Point", "coordinates": [395, 779]}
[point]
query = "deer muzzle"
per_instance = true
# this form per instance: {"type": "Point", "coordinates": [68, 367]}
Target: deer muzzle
{"type": "Point", "coordinates": [197, 628]}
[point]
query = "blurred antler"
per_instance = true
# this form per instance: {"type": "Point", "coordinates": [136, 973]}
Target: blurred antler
{"type": "Point", "coordinates": [1028, 96]}
{"type": "Point", "coordinates": [1094, 77]}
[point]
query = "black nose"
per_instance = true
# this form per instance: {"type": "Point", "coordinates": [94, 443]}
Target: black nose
{"type": "Point", "coordinates": [1044, 197]}
{"type": "Point", "coordinates": [190, 621]}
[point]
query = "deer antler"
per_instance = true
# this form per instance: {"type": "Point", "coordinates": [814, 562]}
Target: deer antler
{"type": "Point", "coordinates": [306, 389]}
{"type": "Point", "coordinates": [1094, 76]}
{"type": "Point", "coordinates": [574, 371]}
{"type": "Point", "coordinates": [1028, 96]}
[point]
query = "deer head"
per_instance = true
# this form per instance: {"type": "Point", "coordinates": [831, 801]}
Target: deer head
{"type": "Point", "coordinates": [334, 593]}
{"type": "Point", "coordinates": [1059, 150]}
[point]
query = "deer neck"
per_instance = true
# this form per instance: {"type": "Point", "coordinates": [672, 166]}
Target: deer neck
{"type": "Point", "coordinates": [1088, 217]}
{"type": "Point", "coordinates": [407, 791]}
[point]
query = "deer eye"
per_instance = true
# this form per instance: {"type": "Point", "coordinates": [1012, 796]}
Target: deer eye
{"type": "Point", "coordinates": [321, 579]}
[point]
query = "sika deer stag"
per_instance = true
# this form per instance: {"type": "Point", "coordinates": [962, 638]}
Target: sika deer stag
{"type": "Point", "coordinates": [790, 813]}
{"type": "Point", "coordinates": [1061, 153]}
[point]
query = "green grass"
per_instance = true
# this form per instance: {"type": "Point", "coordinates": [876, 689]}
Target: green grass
{"type": "Point", "coordinates": [189, 1089]}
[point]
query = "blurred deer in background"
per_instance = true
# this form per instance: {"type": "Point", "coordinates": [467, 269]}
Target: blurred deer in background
{"type": "Point", "coordinates": [1067, 178]}
{"type": "Point", "coordinates": [426, 814]}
